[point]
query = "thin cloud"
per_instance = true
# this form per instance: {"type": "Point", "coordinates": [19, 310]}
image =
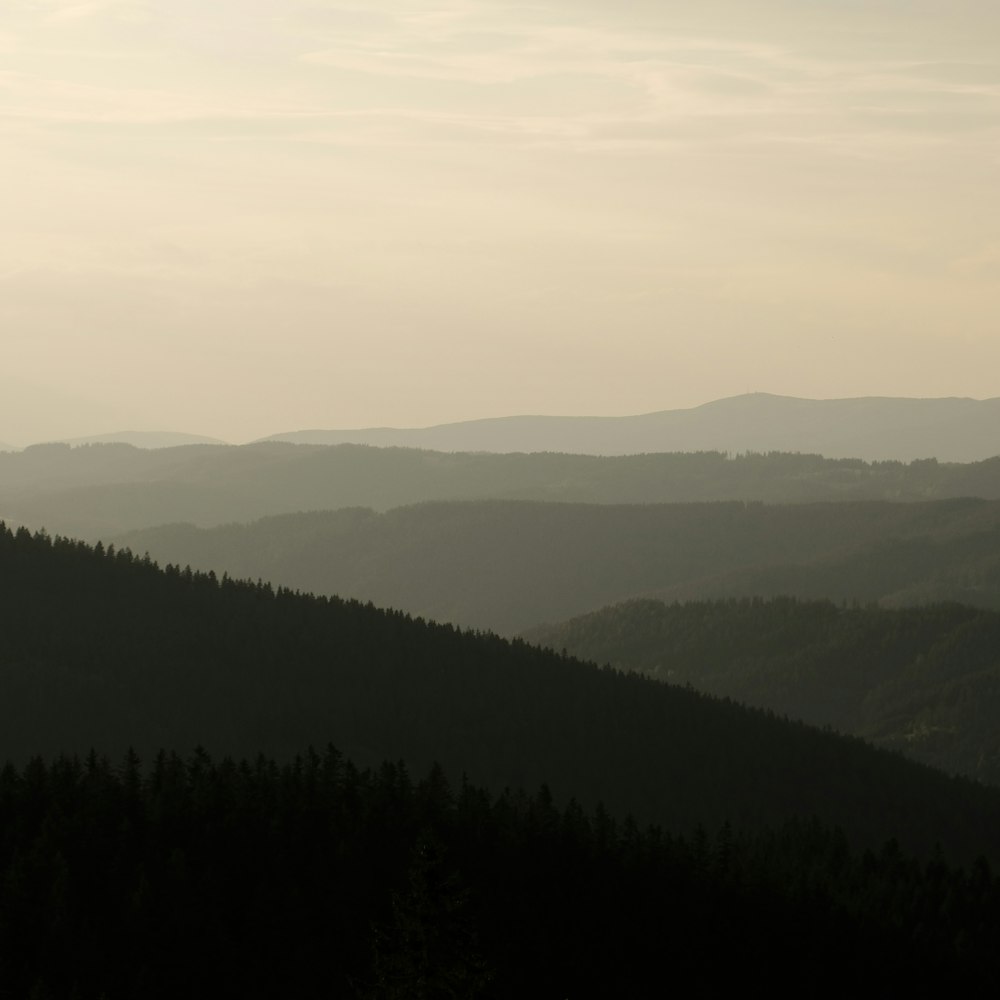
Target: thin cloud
{"type": "Point", "coordinates": [489, 69]}
{"type": "Point", "coordinates": [671, 77]}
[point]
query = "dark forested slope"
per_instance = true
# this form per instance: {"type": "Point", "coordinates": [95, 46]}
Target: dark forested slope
{"type": "Point", "coordinates": [924, 681]}
{"type": "Point", "coordinates": [100, 490]}
{"type": "Point", "coordinates": [507, 565]}
{"type": "Point", "coordinates": [106, 651]}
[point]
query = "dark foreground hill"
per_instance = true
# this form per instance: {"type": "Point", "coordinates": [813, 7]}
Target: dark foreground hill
{"type": "Point", "coordinates": [106, 651]}
{"type": "Point", "coordinates": [923, 681]}
{"type": "Point", "coordinates": [202, 880]}
{"type": "Point", "coordinates": [97, 491]}
{"type": "Point", "coordinates": [875, 428]}
{"type": "Point", "coordinates": [509, 566]}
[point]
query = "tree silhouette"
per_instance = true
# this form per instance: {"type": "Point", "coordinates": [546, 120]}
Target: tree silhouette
{"type": "Point", "coordinates": [428, 949]}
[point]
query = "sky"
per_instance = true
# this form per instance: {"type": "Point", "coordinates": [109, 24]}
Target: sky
{"type": "Point", "coordinates": [240, 217]}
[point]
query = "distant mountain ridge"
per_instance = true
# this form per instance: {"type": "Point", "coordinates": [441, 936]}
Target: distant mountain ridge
{"type": "Point", "coordinates": [873, 428]}
{"type": "Point", "coordinates": [143, 439]}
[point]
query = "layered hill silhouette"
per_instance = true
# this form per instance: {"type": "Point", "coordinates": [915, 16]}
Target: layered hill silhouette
{"type": "Point", "coordinates": [509, 565]}
{"type": "Point", "coordinates": [96, 491]}
{"type": "Point", "coordinates": [873, 428]}
{"type": "Point", "coordinates": [144, 439]}
{"type": "Point", "coordinates": [923, 681]}
{"type": "Point", "coordinates": [105, 651]}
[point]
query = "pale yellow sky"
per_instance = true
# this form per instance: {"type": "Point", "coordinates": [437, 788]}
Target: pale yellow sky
{"type": "Point", "coordinates": [236, 217]}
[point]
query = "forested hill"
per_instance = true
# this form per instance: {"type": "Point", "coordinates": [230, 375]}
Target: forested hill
{"type": "Point", "coordinates": [96, 491]}
{"type": "Point", "coordinates": [104, 650]}
{"type": "Point", "coordinates": [876, 428]}
{"type": "Point", "coordinates": [923, 681]}
{"type": "Point", "coordinates": [508, 566]}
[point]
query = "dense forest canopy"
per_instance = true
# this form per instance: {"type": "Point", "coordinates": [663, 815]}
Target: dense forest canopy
{"type": "Point", "coordinates": [200, 878]}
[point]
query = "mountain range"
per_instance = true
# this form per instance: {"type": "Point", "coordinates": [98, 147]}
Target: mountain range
{"type": "Point", "coordinates": [121, 879]}
{"type": "Point", "coordinates": [872, 428]}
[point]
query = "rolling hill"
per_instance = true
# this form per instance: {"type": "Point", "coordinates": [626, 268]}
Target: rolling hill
{"type": "Point", "coordinates": [509, 565]}
{"type": "Point", "coordinates": [923, 681]}
{"type": "Point", "coordinates": [97, 491]}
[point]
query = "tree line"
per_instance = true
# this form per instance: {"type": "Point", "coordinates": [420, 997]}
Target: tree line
{"type": "Point", "coordinates": [200, 877]}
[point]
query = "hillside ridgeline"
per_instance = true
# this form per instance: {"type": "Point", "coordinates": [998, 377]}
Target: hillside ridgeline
{"type": "Point", "coordinates": [922, 681]}
{"type": "Point", "coordinates": [98, 491]}
{"type": "Point", "coordinates": [105, 651]}
{"type": "Point", "coordinates": [507, 566]}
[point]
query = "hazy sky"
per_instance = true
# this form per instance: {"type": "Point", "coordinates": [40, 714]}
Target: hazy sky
{"type": "Point", "coordinates": [237, 217]}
